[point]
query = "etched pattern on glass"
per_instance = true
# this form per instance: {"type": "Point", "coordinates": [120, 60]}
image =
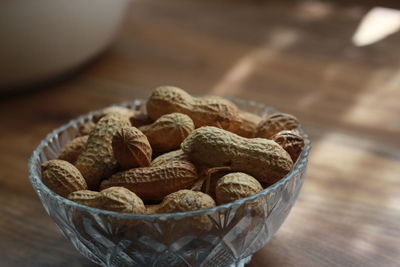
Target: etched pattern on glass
{"type": "Point", "coordinates": [235, 230]}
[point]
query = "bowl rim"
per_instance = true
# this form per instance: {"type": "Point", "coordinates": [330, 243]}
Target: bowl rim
{"type": "Point", "coordinates": [39, 186]}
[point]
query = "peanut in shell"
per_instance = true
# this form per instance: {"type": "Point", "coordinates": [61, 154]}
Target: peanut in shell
{"type": "Point", "coordinates": [275, 123]}
{"type": "Point", "coordinates": [264, 159]}
{"type": "Point", "coordinates": [235, 186]}
{"type": "Point", "coordinates": [97, 161]}
{"type": "Point", "coordinates": [214, 111]}
{"type": "Point", "coordinates": [131, 148]}
{"type": "Point", "coordinates": [154, 183]}
{"type": "Point", "coordinates": [71, 151]}
{"type": "Point", "coordinates": [62, 177]}
{"type": "Point", "coordinates": [168, 132]}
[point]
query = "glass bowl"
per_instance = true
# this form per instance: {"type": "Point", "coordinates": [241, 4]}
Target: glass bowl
{"type": "Point", "coordinates": [226, 235]}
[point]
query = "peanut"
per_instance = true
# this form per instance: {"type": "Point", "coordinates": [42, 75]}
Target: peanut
{"type": "Point", "coordinates": [248, 126]}
{"type": "Point", "coordinates": [235, 186]}
{"type": "Point", "coordinates": [62, 177]}
{"type": "Point", "coordinates": [261, 158]}
{"type": "Point", "coordinates": [131, 148]}
{"type": "Point", "coordinates": [276, 123]}
{"type": "Point", "coordinates": [122, 200]}
{"type": "Point", "coordinates": [212, 111]}
{"type": "Point", "coordinates": [71, 151]}
{"type": "Point", "coordinates": [183, 200]}
{"type": "Point", "coordinates": [153, 183]}
{"type": "Point", "coordinates": [168, 132]}
{"type": "Point", "coordinates": [140, 118]}
{"type": "Point", "coordinates": [86, 128]}
{"type": "Point", "coordinates": [176, 155]}
{"type": "Point", "coordinates": [291, 141]}
{"type": "Point", "coordinates": [116, 199]}
{"type": "Point", "coordinates": [88, 198]}
{"type": "Point", "coordinates": [211, 179]}
{"type": "Point", "coordinates": [197, 185]}
{"type": "Point", "coordinates": [97, 160]}
{"type": "Point", "coordinates": [123, 111]}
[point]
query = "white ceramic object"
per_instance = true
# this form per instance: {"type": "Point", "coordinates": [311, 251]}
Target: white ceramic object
{"type": "Point", "coordinates": [43, 38]}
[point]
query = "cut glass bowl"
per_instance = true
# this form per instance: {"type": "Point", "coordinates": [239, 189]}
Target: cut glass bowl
{"type": "Point", "coordinates": [235, 230]}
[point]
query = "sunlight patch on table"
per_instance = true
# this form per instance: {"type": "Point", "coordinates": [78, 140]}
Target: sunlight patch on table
{"type": "Point", "coordinates": [376, 25]}
{"type": "Point", "coordinates": [232, 81]}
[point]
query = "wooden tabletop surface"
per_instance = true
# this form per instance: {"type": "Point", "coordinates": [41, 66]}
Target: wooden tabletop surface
{"type": "Point", "coordinates": [295, 55]}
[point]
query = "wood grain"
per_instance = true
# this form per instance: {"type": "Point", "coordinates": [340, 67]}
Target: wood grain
{"type": "Point", "coordinates": [294, 55]}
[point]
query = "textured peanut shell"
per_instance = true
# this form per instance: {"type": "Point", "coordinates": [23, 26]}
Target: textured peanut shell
{"type": "Point", "coordinates": [86, 128]}
{"type": "Point", "coordinates": [71, 151]}
{"type": "Point", "coordinates": [248, 125]}
{"type": "Point", "coordinates": [123, 111]}
{"type": "Point", "coordinates": [275, 123]}
{"type": "Point", "coordinates": [88, 198]}
{"type": "Point", "coordinates": [62, 177]}
{"type": "Point", "coordinates": [261, 158]}
{"type": "Point", "coordinates": [176, 155]}
{"type": "Point", "coordinates": [204, 111]}
{"type": "Point", "coordinates": [154, 183]}
{"type": "Point", "coordinates": [97, 160]}
{"type": "Point", "coordinates": [120, 199]}
{"type": "Point", "coordinates": [116, 199]}
{"type": "Point", "coordinates": [179, 155]}
{"type": "Point", "coordinates": [291, 141]}
{"type": "Point", "coordinates": [235, 186]}
{"type": "Point", "coordinates": [208, 187]}
{"type": "Point", "coordinates": [131, 148]}
{"type": "Point", "coordinates": [184, 201]}
{"type": "Point", "coordinates": [168, 132]}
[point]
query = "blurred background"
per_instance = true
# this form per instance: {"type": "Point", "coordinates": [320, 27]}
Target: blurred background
{"type": "Point", "coordinates": [333, 64]}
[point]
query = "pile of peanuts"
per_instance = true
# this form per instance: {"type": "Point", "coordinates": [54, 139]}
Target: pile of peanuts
{"type": "Point", "coordinates": [185, 153]}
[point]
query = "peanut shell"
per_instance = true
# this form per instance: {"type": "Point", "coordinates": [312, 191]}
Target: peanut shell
{"type": "Point", "coordinates": [62, 177]}
{"type": "Point", "coordinates": [184, 200]}
{"type": "Point", "coordinates": [168, 132]}
{"type": "Point", "coordinates": [88, 198]}
{"type": "Point", "coordinates": [261, 158]}
{"type": "Point", "coordinates": [176, 155]}
{"type": "Point", "coordinates": [116, 199]}
{"type": "Point", "coordinates": [123, 111]}
{"type": "Point", "coordinates": [86, 128]}
{"type": "Point", "coordinates": [97, 161]}
{"type": "Point", "coordinates": [131, 148]}
{"type": "Point", "coordinates": [248, 125]}
{"type": "Point", "coordinates": [291, 141]}
{"type": "Point", "coordinates": [71, 151]}
{"type": "Point", "coordinates": [212, 111]}
{"type": "Point", "coordinates": [235, 186]}
{"type": "Point", "coordinates": [275, 123]}
{"type": "Point", "coordinates": [154, 183]}
{"type": "Point", "coordinates": [120, 199]}
{"type": "Point", "coordinates": [211, 179]}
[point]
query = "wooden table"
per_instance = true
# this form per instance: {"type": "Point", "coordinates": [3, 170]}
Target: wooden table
{"type": "Point", "coordinates": [294, 55]}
